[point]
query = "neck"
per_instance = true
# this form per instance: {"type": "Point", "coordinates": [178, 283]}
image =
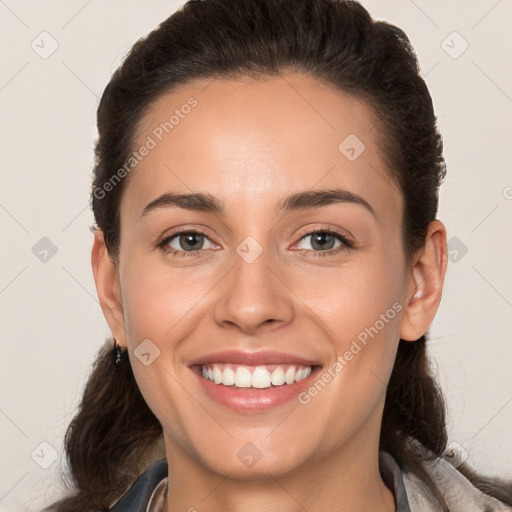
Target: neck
{"type": "Point", "coordinates": [344, 480]}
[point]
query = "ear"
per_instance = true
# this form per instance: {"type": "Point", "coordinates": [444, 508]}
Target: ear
{"type": "Point", "coordinates": [425, 284]}
{"type": "Point", "coordinates": [107, 286]}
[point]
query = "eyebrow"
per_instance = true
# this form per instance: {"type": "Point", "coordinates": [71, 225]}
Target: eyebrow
{"type": "Point", "coordinates": [300, 201]}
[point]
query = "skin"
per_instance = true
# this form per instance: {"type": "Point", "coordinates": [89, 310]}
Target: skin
{"type": "Point", "coordinates": [250, 143]}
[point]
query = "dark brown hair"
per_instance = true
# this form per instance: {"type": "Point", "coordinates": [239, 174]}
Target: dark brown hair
{"type": "Point", "coordinates": [114, 434]}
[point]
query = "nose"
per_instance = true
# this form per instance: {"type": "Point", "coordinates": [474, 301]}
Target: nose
{"type": "Point", "coordinates": [254, 296]}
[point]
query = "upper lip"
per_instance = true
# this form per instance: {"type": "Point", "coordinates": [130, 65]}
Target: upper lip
{"type": "Point", "coordinates": [253, 358]}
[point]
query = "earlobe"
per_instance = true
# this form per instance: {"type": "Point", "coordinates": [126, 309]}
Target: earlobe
{"type": "Point", "coordinates": [107, 286]}
{"type": "Point", "coordinates": [425, 284]}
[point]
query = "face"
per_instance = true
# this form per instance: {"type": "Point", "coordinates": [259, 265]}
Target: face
{"type": "Point", "coordinates": [315, 281]}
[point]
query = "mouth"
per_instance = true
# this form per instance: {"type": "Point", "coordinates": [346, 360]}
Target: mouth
{"type": "Point", "coordinates": [250, 389]}
{"type": "Point", "coordinates": [267, 376]}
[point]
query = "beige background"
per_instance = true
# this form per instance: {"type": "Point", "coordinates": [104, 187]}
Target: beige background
{"type": "Point", "coordinates": [51, 323]}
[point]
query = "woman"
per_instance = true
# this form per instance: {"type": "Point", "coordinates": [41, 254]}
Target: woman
{"type": "Point", "coordinates": [268, 259]}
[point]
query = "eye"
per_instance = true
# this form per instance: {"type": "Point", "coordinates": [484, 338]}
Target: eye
{"type": "Point", "coordinates": [324, 241]}
{"type": "Point", "coordinates": [190, 243]}
{"type": "Point", "coordinates": [185, 243]}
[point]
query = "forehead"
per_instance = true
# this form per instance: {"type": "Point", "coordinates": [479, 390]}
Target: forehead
{"type": "Point", "coordinates": [250, 142]}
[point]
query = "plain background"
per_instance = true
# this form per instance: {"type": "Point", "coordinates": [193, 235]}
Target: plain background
{"type": "Point", "coordinates": [51, 323]}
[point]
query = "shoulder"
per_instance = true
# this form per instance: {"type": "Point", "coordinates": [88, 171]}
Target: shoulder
{"type": "Point", "coordinates": [460, 494]}
{"type": "Point", "coordinates": [142, 492]}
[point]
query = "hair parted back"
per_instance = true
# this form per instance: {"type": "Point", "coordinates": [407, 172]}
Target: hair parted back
{"type": "Point", "coordinates": [338, 43]}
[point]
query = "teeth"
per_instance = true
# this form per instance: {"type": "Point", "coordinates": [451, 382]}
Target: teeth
{"type": "Point", "coordinates": [228, 377]}
{"type": "Point", "coordinates": [217, 375]}
{"type": "Point", "coordinates": [260, 377]}
{"type": "Point", "coordinates": [290, 375]}
{"type": "Point", "coordinates": [277, 377]}
{"type": "Point", "coordinates": [242, 377]}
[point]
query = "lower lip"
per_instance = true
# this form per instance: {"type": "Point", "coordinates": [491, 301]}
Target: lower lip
{"type": "Point", "coordinates": [253, 399]}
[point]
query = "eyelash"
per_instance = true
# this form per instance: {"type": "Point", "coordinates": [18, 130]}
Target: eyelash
{"type": "Point", "coordinates": [346, 243]}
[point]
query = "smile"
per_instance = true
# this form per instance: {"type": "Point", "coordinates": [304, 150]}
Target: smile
{"type": "Point", "coordinates": [259, 377]}
{"type": "Point", "coordinates": [253, 389]}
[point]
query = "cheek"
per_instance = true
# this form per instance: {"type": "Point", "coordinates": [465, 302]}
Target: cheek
{"type": "Point", "coordinates": [360, 298]}
{"type": "Point", "coordinates": [159, 301]}
{"type": "Point", "coordinates": [159, 305]}
{"type": "Point", "coordinates": [363, 321]}
{"type": "Point", "coordinates": [364, 325]}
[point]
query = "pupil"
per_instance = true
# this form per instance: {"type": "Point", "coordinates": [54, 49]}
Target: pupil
{"type": "Point", "coordinates": [320, 238]}
{"type": "Point", "coordinates": [189, 239]}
